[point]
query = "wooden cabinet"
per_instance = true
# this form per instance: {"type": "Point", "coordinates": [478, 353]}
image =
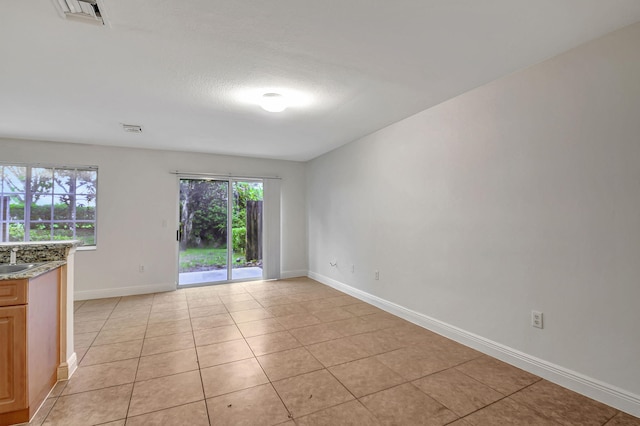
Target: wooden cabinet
{"type": "Point", "coordinates": [29, 344]}
{"type": "Point", "coordinates": [13, 347]}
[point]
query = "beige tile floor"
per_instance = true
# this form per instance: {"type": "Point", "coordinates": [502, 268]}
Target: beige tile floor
{"type": "Point", "coordinates": [290, 352]}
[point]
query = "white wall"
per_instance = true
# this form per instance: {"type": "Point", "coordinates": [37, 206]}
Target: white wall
{"type": "Point", "coordinates": [137, 194]}
{"type": "Point", "coordinates": [522, 194]}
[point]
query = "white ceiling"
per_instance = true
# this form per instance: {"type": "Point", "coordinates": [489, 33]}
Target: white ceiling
{"type": "Point", "coordinates": [182, 69]}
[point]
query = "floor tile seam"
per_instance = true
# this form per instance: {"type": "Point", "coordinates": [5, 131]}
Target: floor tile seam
{"type": "Point", "coordinates": [294, 418]}
{"type": "Point", "coordinates": [502, 396]}
{"type": "Point", "coordinates": [280, 350]}
{"type": "Point", "coordinates": [237, 390]}
{"type": "Point", "coordinates": [168, 408]}
{"type": "Point", "coordinates": [164, 375]}
{"type": "Point", "coordinates": [247, 309]}
{"type": "Point", "coordinates": [96, 310]}
{"type": "Point", "coordinates": [164, 351]}
{"type": "Point", "coordinates": [110, 421]}
{"type": "Point", "coordinates": [227, 362]}
{"type": "Point", "coordinates": [331, 321]}
{"type": "Point", "coordinates": [95, 390]}
{"type": "Point", "coordinates": [122, 317]}
{"type": "Point", "coordinates": [409, 382]}
{"type": "Point", "coordinates": [206, 406]}
{"type": "Point", "coordinates": [100, 388]}
{"type": "Point", "coordinates": [162, 335]}
{"type": "Point", "coordinates": [110, 361]}
{"type": "Point", "coordinates": [491, 387]}
{"type": "Point", "coordinates": [322, 366]}
{"type": "Point", "coordinates": [101, 363]}
{"type": "Point", "coordinates": [469, 377]}
{"type": "Point", "coordinates": [535, 408]}
{"type": "Point", "coordinates": [489, 405]}
{"type": "Point", "coordinates": [81, 321]}
{"type": "Point", "coordinates": [371, 355]}
{"type": "Point", "coordinates": [455, 367]}
{"type": "Point", "coordinates": [611, 418]}
{"type": "Point", "coordinates": [98, 332]}
{"type": "Point", "coordinates": [127, 314]}
{"type": "Point", "coordinates": [289, 414]}
{"type": "Point", "coordinates": [217, 343]}
{"type": "Point", "coordinates": [214, 343]}
{"type": "Point", "coordinates": [170, 321]}
{"type": "Point", "coordinates": [310, 344]}
{"type": "Point", "coordinates": [240, 301]}
{"type": "Point", "coordinates": [165, 311]}
{"type": "Point", "coordinates": [208, 316]}
{"type": "Point", "coordinates": [44, 419]}
{"type": "Point", "coordinates": [94, 344]}
{"type": "Point", "coordinates": [348, 390]}
{"type": "Point", "coordinates": [207, 306]}
{"type": "Point", "coordinates": [531, 408]}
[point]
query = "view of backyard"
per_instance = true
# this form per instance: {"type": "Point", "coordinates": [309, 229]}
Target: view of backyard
{"type": "Point", "coordinates": [204, 218]}
{"type": "Point", "coordinates": [196, 259]}
{"type": "Point", "coordinates": [47, 203]}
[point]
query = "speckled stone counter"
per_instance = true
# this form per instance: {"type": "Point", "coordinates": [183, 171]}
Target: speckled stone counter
{"type": "Point", "coordinates": [34, 272]}
{"type": "Point", "coordinates": [37, 252]}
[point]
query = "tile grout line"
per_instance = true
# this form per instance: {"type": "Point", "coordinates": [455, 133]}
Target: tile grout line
{"type": "Point", "coordinates": [133, 385]}
{"type": "Point", "coordinates": [195, 349]}
{"type": "Point", "coordinates": [289, 414]}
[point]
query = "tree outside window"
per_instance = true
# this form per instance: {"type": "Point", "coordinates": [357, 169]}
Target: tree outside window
{"type": "Point", "coordinates": [44, 203]}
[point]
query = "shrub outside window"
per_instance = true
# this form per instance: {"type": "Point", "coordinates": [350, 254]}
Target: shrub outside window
{"type": "Point", "coordinates": [45, 203]}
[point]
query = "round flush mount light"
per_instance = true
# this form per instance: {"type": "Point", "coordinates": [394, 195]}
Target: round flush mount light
{"type": "Point", "coordinates": [273, 98]}
{"type": "Point", "coordinates": [273, 102]}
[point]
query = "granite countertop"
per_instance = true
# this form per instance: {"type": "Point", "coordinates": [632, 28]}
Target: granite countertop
{"type": "Point", "coordinates": [34, 272]}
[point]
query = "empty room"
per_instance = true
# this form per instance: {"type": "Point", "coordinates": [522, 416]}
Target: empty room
{"type": "Point", "coordinates": [420, 212]}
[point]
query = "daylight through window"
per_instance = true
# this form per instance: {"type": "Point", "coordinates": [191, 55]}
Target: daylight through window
{"type": "Point", "coordinates": [42, 203]}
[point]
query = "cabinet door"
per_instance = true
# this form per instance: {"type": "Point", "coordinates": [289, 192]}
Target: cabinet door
{"type": "Point", "coordinates": [13, 346]}
{"type": "Point", "coordinates": [13, 292]}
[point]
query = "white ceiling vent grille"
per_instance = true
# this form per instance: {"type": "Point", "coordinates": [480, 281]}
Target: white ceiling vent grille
{"type": "Point", "coordinates": [132, 128]}
{"type": "Point", "coordinates": [82, 10]}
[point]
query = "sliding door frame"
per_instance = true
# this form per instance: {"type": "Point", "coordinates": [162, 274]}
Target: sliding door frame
{"type": "Point", "coordinates": [229, 180]}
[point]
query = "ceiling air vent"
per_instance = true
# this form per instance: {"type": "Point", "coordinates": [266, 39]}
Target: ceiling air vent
{"type": "Point", "coordinates": [82, 10]}
{"type": "Point", "coordinates": [132, 128]}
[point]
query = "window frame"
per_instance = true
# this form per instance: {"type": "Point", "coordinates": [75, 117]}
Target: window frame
{"type": "Point", "coordinates": [28, 194]}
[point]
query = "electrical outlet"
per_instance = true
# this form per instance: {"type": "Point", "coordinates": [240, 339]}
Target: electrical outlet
{"type": "Point", "coordinates": [141, 268]}
{"type": "Point", "coordinates": [536, 319]}
{"type": "Point", "coordinates": [376, 275]}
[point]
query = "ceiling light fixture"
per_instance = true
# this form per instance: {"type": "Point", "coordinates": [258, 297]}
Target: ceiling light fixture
{"type": "Point", "coordinates": [273, 102]}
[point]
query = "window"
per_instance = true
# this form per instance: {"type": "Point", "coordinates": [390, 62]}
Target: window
{"type": "Point", "coordinates": [43, 203]}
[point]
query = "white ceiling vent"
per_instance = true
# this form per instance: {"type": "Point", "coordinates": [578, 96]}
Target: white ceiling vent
{"type": "Point", "coordinates": [82, 10]}
{"type": "Point", "coordinates": [132, 128]}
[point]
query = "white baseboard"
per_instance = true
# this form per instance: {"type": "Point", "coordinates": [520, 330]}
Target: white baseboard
{"type": "Point", "coordinates": [294, 274]}
{"type": "Point", "coordinates": [123, 291]}
{"type": "Point", "coordinates": [66, 369]}
{"type": "Point", "coordinates": [593, 388]}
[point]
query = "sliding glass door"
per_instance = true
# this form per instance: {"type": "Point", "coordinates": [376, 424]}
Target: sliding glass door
{"type": "Point", "coordinates": [220, 232]}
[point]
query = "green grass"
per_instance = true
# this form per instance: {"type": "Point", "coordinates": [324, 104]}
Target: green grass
{"type": "Point", "coordinates": [202, 259]}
